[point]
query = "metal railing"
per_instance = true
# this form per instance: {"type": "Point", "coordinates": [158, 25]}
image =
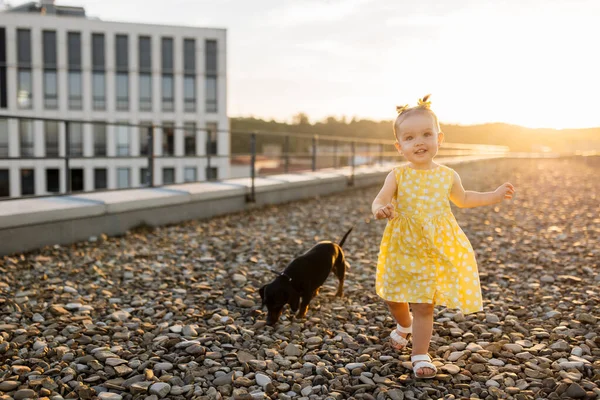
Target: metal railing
{"type": "Point", "coordinates": [249, 154]}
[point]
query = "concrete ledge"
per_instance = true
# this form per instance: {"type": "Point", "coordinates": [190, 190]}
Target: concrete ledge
{"type": "Point", "coordinates": [25, 212]}
{"type": "Point", "coordinates": [136, 199]}
{"type": "Point", "coordinates": [29, 224]}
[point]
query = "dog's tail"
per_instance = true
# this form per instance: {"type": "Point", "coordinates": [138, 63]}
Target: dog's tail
{"type": "Point", "coordinates": [345, 236]}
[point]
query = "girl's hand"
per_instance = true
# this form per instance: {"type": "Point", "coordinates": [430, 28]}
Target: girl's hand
{"type": "Point", "coordinates": [505, 191]}
{"type": "Point", "coordinates": [385, 212]}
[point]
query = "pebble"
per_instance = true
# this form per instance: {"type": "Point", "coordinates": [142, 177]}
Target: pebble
{"type": "Point", "coordinates": [7, 386]}
{"type": "Point", "coordinates": [513, 348]}
{"type": "Point", "coordinates": [22, 394]}
{"type": "Point", "coordinates": [353, 366]}
{"type": "Point", "coordinates": [224, 379]}
{"type": "Point", "coordinates": [262, 380]}
{"type": "Point", "coordinates": [492, 318]}
{"type": "Point", "coordinates": [575, 391]}
{"type": "Point", "coordinates": [451, 369]}
{"type": "Point", "coordinates": [109, 396]}
{"type": "Point", "coordinates": [497, 362]}
{"type": "Point", "coordinates": [160, 389]}
{"type": "Point", "coordinates": [455, 355]}
{"type": "Point", "coordinates": [163, 366]}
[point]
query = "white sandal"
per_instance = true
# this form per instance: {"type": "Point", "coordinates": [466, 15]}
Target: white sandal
{"type": "Point", "coordinates": [423, 361]}
{"type": "Point", "coordinates": [399, 342]}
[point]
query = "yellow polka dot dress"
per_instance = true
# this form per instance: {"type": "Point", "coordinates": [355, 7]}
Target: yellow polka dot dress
{"type": "Point", "coordinates": [425, 257]}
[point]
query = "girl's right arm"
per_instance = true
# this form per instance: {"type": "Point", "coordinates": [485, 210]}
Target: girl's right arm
{"type": "Point", "coordinates": [382, 205]}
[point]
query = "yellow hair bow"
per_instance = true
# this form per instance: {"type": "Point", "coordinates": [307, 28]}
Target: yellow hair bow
{"type": "Point", "coordinates": [401, 109]}
{"type": "Point", "coordinates": [424, 103]}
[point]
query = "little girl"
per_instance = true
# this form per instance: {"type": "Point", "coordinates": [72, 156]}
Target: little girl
{"type": "Point", "coordinates": [425, 257]}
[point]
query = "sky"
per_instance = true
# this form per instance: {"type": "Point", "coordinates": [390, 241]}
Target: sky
{"type": "Point", "coordinates": [534, 63]}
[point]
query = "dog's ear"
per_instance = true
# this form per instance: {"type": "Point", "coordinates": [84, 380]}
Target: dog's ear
{"type": "Point", "coordinates": [294, 299]}
{"type": "Point", "coordinates": [261, 291]}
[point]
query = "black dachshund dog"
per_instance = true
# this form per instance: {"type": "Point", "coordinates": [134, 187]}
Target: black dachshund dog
{"type": "Point", "coordinates": [303, 278]}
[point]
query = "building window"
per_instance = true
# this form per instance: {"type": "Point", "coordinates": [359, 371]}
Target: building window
{"type": "Point", "coordinates": [145, 92]}
{"type": "Point", "coordinates": [145, 70]}
{"type": "Point", "coordinates": [4, 152]}
{"type": "Point", "coordinates": [99, 139]}
{"type": "Point", "coordinates": [122, 139]}
{"type": "Point", "coordinates": [26, 138]}
{"type": "Point", "coordinates": [74, 50]}
{"type": "Point", "coordinates": [144, 177]}
{"type": "Point", "coordinates": [100, 178]}
{"type": "Point", "coordinates": [27, 182]}
{"type": "Point", "coordinates": [74, 58]}
{"type": "Point", "coordinates": [122, 91]}
{"type": "Point", "coordinates": [3, 91]}
{"type": "Point", "coordinates": [211, 173]}
{"type": "Point", "coordinates": [211, 94]}
{"type": "Point", "coordinates": [24, 82]}
{"type": "Point", "coordinates": [189, 174]}
{"type": "Point", "coordinates": [122, 67]}
{"type": "Point", "coordinates": [51, 131]}
{"type": "Point", "coordinates": [4, 183]}
{"type": "Point", "coordinates": [211, 57]}
{"type": "Point", "coordinates": [189, 92]}
{"type": "Point", "coordinates": [75, 139]}
{"type": "Point", "coordinates": [98, 72]}
{"type": "Point", "coordinates": [211, 138]}
{"type": "Point", "coordinates": [211, 75]}
{"type": "Point", "coordinates": [24, 86]}
{"type": "Point", "coordinates": [168, 176]}
{"type": "Point", "coordinates": [168, 92]}
{"type": "Point", "coordinates": [50, 90]}
{"type": "Point", "coordinates": [168, 139]}
{"type": "Point", "coordinates": [189, 132]}
{"type": "Point", "coordinates": [99, 91]}
{"type": "Point", "coordinates": [50, 70]}
{"type": "Point", "coordinates": [75, 91]}
{"type": "Point", "coordinates": [123, 178]}
{"type": "Point", "coordinates": [77, 180]}
{"type": "Point", "coordinates": [52, 180]}
{"type": "Point", "coordinates": [189, 78]}
{"type": "Point", "coordinates": [143, 134]}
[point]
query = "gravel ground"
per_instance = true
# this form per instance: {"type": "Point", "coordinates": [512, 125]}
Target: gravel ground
{"type": "Point", "coordinates": [174, 312]}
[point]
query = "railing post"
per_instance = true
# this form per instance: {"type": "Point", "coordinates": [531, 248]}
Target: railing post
{"type": "Point", "coordinates": [67, 158]}
{"type": "Point", "coordinates": [335, 144]}
{"type": "Point", "coordinates": [252, 197]}
{"type": "Point", "coordinates": [353, 151]}
{"type": "Point", "coordinates": [286, 149]}
{"type": "Point", "coordinates": [208, 150]}
{"type": "Point", "coordinates": [150, 140]}
{"type": "Point", "coordinates": [314, 153]}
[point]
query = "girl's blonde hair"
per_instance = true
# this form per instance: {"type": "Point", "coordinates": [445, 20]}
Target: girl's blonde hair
{"type": "Point", "coordinates": [423, 105]}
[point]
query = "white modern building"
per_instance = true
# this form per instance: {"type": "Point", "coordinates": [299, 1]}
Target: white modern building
{"type": "Point", "coordinates": [57, 63]}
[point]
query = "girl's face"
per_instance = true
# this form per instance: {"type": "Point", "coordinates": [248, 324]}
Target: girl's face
{"type": "Point", "coordinates": [419, 139]}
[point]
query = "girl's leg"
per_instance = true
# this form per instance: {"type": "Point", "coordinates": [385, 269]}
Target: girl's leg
{"type": "Point", "coordinates": [400, 312]}
{"type": "Point", "coordinates": [422, 331]}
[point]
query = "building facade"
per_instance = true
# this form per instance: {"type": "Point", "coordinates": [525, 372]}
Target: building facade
{"type": "Point", "coordinates": [57, 64]}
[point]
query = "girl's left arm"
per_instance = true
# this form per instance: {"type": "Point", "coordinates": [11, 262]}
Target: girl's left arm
{"type": "Point", "coordinates": [468, 199]}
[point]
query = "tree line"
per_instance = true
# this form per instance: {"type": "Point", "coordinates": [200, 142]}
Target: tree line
{"type": "Point", "coordinates": [517, 138]}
